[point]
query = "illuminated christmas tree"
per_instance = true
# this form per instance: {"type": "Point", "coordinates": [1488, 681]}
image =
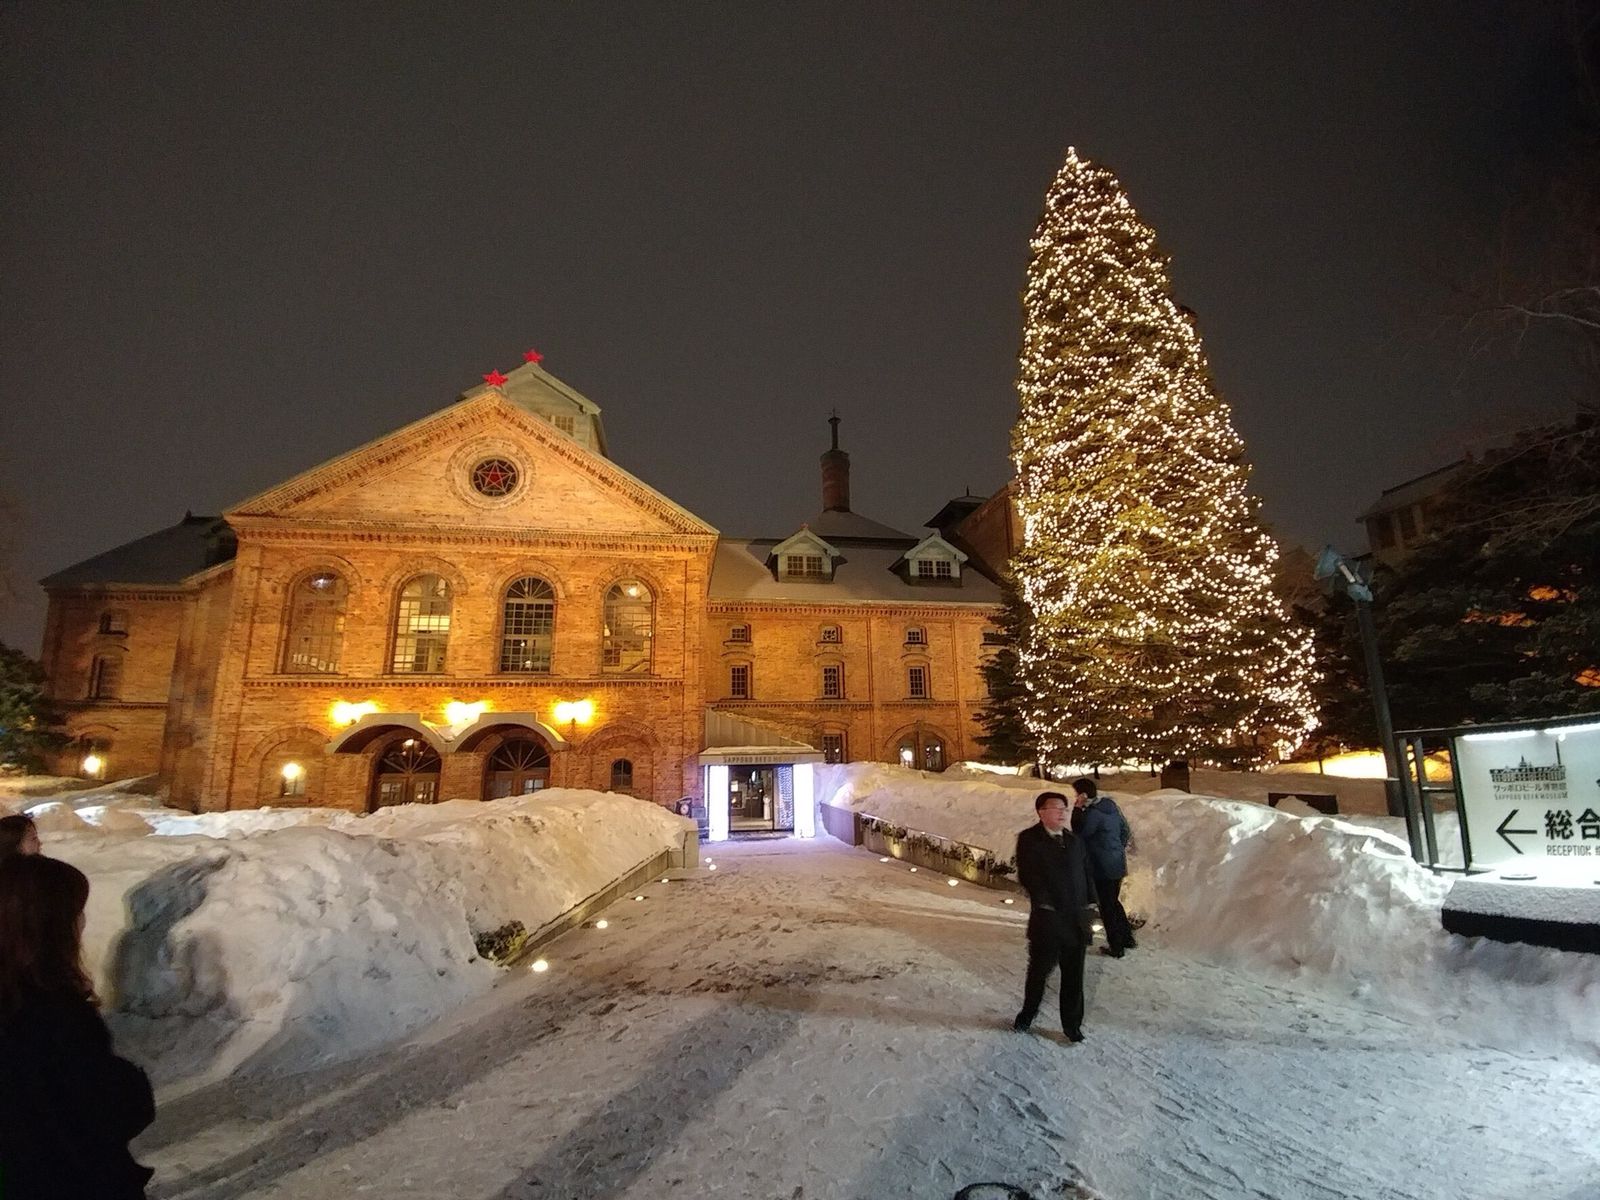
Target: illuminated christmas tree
{"type": "Point", "coordinates": [1156, 633]}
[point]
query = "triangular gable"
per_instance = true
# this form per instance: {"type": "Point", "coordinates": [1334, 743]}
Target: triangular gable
{"type": "Point", "coordinates": [802, 542]}
{"type": "Point", "coordinates": [420, 474]}
{"type": "Point", "coordinates": [932, 546]}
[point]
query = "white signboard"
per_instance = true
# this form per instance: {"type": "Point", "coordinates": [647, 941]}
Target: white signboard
{"type": "Point", "coordinates": [1531, 796]}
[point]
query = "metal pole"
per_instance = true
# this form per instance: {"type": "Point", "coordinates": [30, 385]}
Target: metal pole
{"type": "Point", "coordinates": [1380, 707]}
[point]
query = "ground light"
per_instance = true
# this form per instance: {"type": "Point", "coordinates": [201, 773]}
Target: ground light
{"type": "Point", "coordinates": [712, 867]}
{"type": "Point", "coordinates": [885, 858]}
{"type": "Point", "coordinates": [952, 882]}
{"type": "Point", "coordinates": [638, 897]}
{"type": "Point", "coordinates": [1008, 900]}
{"type": "Point", "coordinates": [601, 923]}
{"type": "Point", "coordinates": [539, 966]}
{"type": "Point", "coordinates": [913, 870]}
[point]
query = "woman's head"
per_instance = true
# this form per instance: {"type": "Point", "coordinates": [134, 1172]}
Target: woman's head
{"type": "Point", "coordinates": [41, 929]}
{"type": "Point", "coordinates": [18, 835]}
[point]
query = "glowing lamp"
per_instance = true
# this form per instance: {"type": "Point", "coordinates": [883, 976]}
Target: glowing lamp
{"type": "Point", "coordinates": [292, 771]}
{"type": "Point", "coordinates": [458, 712]}
{"type": "Point", "coordinates": [93, 764]}
{"type": "Point", "coordinates": [539, 966]}
{"type": "Point", "coordinates": [574, 712]}
{"type": "Point", "coordinates": [345, 713]}
{"type": "Point", "coordinates": [952, 882]}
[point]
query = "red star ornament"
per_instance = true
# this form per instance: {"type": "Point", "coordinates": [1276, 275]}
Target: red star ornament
{"type": "Point", "coordinates": [532, 356]}
{"type": "Point", "coordinates": [495, 379]}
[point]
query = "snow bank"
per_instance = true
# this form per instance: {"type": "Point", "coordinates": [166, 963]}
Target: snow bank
{"type": "Point", "coordinates": [279, 939]}
{"type": "Point", "coordinates": [1337, 904]}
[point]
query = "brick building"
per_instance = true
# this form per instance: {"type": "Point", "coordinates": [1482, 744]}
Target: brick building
{"type": "Point", "coordinates": [482, 603]}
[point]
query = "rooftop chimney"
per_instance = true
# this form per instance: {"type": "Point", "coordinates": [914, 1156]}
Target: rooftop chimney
{"type": "Point", "coordinates": [835, 474]}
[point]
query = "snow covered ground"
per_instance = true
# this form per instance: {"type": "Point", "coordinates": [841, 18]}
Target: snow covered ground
{"type": "Point", "coordinates": [807, 1022]}
{"type": "Point", "coordinates": [279, 939]}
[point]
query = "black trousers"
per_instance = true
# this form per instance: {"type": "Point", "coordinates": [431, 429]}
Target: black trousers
{"type": "Point", "coordinates": [1119, 934]}
{"type": "Point", "coordinates": [1045, 954]}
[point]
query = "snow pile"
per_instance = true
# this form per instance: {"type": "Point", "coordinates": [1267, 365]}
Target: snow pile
{"type": "Point", "coordinates": [1336, 903]}
{"type": "Point", "coordinates": [279, 939]}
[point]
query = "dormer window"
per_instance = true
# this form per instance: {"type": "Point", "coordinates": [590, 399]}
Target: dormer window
{"type": "Point", "coordinates": [805, 566]}
{"type": "Point", "coordinates": [935, 568]}
{"type": "Point", "coordinates": [739, 633]}
{"type": "Point", "coordinates": [803, 557]}
{"type": "Point", "coordinates": [566, 423]}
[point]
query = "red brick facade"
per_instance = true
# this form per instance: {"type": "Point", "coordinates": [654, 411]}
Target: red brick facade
{"type": "Point", "coordinates": [214, 689]}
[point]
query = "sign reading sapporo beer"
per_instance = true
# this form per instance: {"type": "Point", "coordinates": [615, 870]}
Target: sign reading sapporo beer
{"type": "Point", "coordinates": [1531, 794]}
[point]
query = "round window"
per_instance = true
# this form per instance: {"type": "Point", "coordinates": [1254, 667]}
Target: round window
{"type": "Point", "coordinates": [495, 477]}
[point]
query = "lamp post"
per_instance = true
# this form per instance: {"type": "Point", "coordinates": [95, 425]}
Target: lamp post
{"type": "Point", "coordinates": [1356, 582]}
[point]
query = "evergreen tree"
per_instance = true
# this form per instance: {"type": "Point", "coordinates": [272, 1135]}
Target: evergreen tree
{"type": "Point", "coordinates": [27, 718]}
{"type": "Point", "coordinates": [1155, 629]}
{"type": "Point", "coordinates": [1006, 737]}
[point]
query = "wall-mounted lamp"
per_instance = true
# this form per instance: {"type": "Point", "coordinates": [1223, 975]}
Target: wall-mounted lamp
{"type": "Point", "coordinates": [93, 765]}
{"type": "Point", "coordinates": [345, 713]}
{"type": "Point", "coordinates": [458, 712]}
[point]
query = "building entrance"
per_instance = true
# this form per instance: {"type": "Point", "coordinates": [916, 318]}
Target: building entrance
{"type": "Point", "coordinates": [757, 802]}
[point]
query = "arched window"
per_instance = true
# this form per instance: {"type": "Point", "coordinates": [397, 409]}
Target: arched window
{"type": "Point", "coordinates": [422, 626]}
{"type": "Point", "coordinates": [105, 677]}
{"type": "Point", "coordinates": [520, 767]}
{"type": "Point", "coordinates": [629, 628]}
{"type": "Point", "coordinates": [922, 751]}
{"type": "Point", "coordinates": [528, 627]}
{"type": "Point", "coordinates": [316, 624]}
{"type": "Point", "coordinates": [622, 775]}
{"type": "Point", "coordinates": [407, 773]}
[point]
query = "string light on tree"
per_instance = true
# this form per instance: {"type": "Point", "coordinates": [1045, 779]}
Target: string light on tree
{"type": "Point", "coordinates": [1146, 573]}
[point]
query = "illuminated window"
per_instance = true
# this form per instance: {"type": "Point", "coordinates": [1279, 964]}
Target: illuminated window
{"type": "Point", "coordinates": [528, 625]}
{"type": "Point", "coordinates": [316, 624]}
{"type": "Point", "coordinates": [922, 751]}
{"type": "Point", "coordinates": [934, 568]}
{"type": "Point", "coordinates": [917, 683]}
{"type": "Point", "coordinates": [804, 566]}
{"type": "Point", "coordinates": [833, 747]}
{"type": "Point", "coordinates": [422, 626]}
{"type": "Point", "coordinates": [629, 632]}
{"type": "Point", "coordinates": [622, 775]}
{"type": "Point", "coordinates": [833, 682]}
{"type": "Point", "coordinates": [739, 681]}
{"type": "Point", "coordinates": [739, 633]}
{"type": "Point", "coordinates": [105, 677]}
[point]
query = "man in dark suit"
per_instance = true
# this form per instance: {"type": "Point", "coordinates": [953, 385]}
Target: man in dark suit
{"type": "Point", "coordinates": [1052, 867]}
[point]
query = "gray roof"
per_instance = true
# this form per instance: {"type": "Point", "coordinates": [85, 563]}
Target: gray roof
{"type": "Point", "coordinates": [830, 524]}
{"type": "Point", "coordinates": [1412, 490]}
{"type": "Point", "coordinates": [168, 556]}
{"type": "Point", "coordinates": [864, 571]}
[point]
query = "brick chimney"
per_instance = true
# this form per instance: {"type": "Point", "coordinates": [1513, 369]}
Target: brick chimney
{"type": "Point", "coordinates": [835, 474]}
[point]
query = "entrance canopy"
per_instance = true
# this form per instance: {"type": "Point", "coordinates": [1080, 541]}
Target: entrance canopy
{"type": "Point", "coordinates": [443, 738]}
{"type": "Point", "coordinates": [731, 739]}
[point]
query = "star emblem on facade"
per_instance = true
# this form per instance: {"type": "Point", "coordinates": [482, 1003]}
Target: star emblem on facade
{"type": "Point", "coordinates": [532, 356]}
{"type": "Point", "coordinates": [494, 379]}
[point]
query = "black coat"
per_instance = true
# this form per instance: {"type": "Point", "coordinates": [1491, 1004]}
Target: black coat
{"type": "Point", "coordinates": [1056, 876]}
{"type": "Point", "coordinates": [68, 1107]}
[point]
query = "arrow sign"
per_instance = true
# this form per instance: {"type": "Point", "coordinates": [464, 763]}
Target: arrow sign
{"type": "Point", "coordinates": [1503, 831]}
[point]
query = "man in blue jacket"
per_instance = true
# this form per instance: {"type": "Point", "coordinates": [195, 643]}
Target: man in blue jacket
{"type": "Point", "coordinates": [1105, 833]}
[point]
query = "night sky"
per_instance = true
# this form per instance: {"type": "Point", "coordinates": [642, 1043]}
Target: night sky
{"type": "Point", "coordinates": [240, 239]}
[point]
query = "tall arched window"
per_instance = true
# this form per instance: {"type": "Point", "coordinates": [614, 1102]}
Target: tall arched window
{"type": "Point", "coordinates": [630, 620]}
{"type": "Point", "coordinates": [422, 626]}
{"type": "Point", "coordinates": [622, 775]}
{"type": "Point", "coordinates": [316, 624]}
{"type": "Point", "coordinates": [528, 626]}
{"type": "Point", "coordinates": [922, 750]}
{"type": "Point", "coordinates": [105, 677]}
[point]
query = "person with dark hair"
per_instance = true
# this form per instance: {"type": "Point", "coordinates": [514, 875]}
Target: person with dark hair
{"type": "Point", "coordinates": [1052, 867]}
{"type": "Point", "coordinates": [18, 835]}
{"type": "Point", "coordinates": [68, 1106]}
{"type": "Point", "coordinates": [1105, 833]}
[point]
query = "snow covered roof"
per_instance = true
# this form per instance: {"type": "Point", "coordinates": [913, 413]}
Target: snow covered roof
{"type": "Point", "coordinates": [167, 557]}
{"type": "Point", "coordinates": [864, 571]}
